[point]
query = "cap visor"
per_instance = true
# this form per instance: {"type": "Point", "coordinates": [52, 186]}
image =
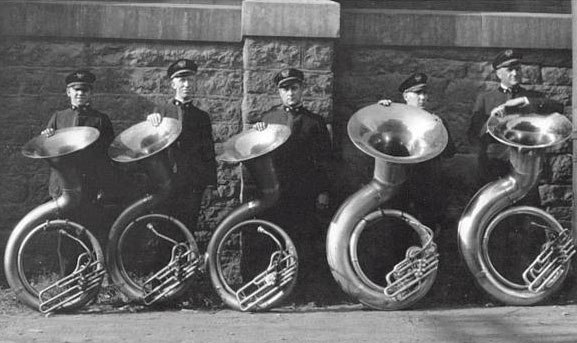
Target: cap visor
{"type": "Point", "coordinates": [508, 63]}
{"type": "Point", "coordinates": [181, 73]}
{"type": "Point", "coordinates": [288, 81]}
{"type": "Point", "coordinates": [416, 88]}
{"type": "Point", "coordinates": [78, 85]}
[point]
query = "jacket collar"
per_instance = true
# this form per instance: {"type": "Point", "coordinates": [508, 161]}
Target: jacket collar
{"type": "Point", "coordinates": [513, 90]}
{"type": "Point", "coordinates": [81, 108]}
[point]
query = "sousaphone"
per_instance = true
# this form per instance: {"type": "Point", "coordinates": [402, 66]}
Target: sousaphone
{"type": "Point", "coordinates": [34, 264]}
{"type": "Point", "coordinates": [492, 228]}
{"type": "Point", "coordinates": [151, 256]}
{"type": "Point", "coordinates": [396, 136]}
{"type": "Point", "coordinates": [277, 266]}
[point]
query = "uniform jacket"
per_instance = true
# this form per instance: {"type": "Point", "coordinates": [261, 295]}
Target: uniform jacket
{"type": "Point", "coordinates": [302, 161]}
{"type": "Point", "coordinates": [95, 165]}
{"type": "Point", "coordinates": [489, 100]}
{"type": "Point", "coordinates": [193, 151]}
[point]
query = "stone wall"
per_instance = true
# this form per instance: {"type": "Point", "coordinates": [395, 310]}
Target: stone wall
{"type": "Point", "coordinates": [365, 64]}
{"type": "Point", "coordinates": [363, 75]}
{"type": "Point", "coordinates": [131, 82]}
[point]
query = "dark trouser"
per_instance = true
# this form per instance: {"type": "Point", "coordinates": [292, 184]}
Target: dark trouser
{"type": "Point", "coordinates": [515, 245]}
{"type": "Point", "coordinates": [185, 206]}
{"type": "Point", "coordinates": [296, 215]}
{"type": "Point", "coordinates": [427, 193]}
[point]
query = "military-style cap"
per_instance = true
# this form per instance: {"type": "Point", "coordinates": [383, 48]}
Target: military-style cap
{"type": "Point", "coordinates": [182, 67]}
{"type": "Point", "coordinates": [414, 83]}
{"type": "Point", "coordinates": [287, 77]}
{"type": "Point", "coordinates": [80, 78]}
{"type": "Point", "coordinates": [507, 58]}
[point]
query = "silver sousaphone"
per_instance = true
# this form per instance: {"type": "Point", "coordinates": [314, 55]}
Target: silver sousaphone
{"type": "Point", "coordinates": [151, 256]}
{"type": "Point", "coordinates": [270, 286]}
{"type": "Point", "coordinates": [397, 136]}
{"type": "Point", "coordinates": [33, 263]}
{"type": "Point", "coordinates": [491, 217]}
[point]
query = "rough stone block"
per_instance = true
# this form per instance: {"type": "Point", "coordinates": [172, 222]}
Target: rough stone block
{"type": "Point", "coordinates": [556, 195]}
{"type": "Point", "coordinates": [563, 214]}
{"type": "Point", "coordinates": [14, 189]}
{"type": "Point", "coordinates": [129, 80]}
{"type": "Point", "coordinates": [221, 132]}
{"type": "Point", "coordinates": [272, 54]}
{"type": "Point", "coordinates": [154, 55]}
{"type": "Point", "coordinates": [32, 108]}
{"type": "Point", "coordinates": [254, 105]}
{"type": "Point", "coordinates": [561, 169]}
{"type": "Point", "coordinates": [260, 82]}
{"type": "Point", "coordinates": [34, 53]}
{"type": "Point", "coordinates": [531, 74]}
{"type": "Point", "coordinates": [318, 55]}
{"type": "Point", "coordinates": [556, 76]}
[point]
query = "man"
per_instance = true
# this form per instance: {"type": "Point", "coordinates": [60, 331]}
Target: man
{"type": "Point", "coordinates": [425, 186]}
{"type": "Point", "coordinates": [193, 152]}
{"type": "Point", "coordinates": [96, 167]}
{"type": "Point", "coordinates": [509, 97]}
{"type": "Point", "coordinates": [98, 177]}
{"type": "Point", "coordinates": [302, 166]}
{"type": "Point", "coordinates": [493, 157]}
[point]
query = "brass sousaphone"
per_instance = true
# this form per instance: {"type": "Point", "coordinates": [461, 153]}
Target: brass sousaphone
{"type": "Point", "coordinates": [397, 136]}
{"type": "Point", "coordinates": [151, 256]}
{"type": "Point", "coordinates": [269, 287]}
{"type": "Point", "coordinates": [33, 263]}
{"type": "Point", "coordinates": [491, 212]}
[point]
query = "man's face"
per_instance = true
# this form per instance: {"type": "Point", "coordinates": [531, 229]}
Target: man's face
{"type": "Point", "coordinates": [417, 99]}
{"type": "Point", "coordinates": [510, 76]}
{"type": "Point", "coordinates": [184, 87]}
{"type": "Point", "coordinates": [291, 95]}
{"type": "Point", "coordinates": [79, 95]}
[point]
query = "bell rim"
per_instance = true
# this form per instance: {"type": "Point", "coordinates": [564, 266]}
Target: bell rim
{"type": "Point", "coordinates": [386, 111]}
{"type": "Point", "coordinates": [228, 154]}
{"type": "Point", "coordinates": [494, 123]}
{"type": "Point", "coordinates": [166, 121]}
{"type": "Point", "coordinates": [29, 151]}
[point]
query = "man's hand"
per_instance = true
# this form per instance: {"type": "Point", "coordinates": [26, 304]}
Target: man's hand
{"type": "Point", "coordinates": [47, 132]}
{"type": "Point", "coordinates": [154, 118]}
{"type": "Point", "coordinates": [385, 102]}
{"type": "Point", "coordinates": [501, 110]}
{"type": "Point", "coordinates": [322, 201]}
{"type": "Point", "coordinates": [260, 126]}
{"type": "Point", "coordinates": [517, 102]}
{"type": "Point", "coordinates": [498, 111]}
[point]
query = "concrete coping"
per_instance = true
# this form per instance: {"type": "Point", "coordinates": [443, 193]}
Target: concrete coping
{"type": "Point", "coordinates": [169, 21]}
{"type": "Point", "coordinates": [456, 28]}
{"type": "Point", "coordinates": [282, 18]}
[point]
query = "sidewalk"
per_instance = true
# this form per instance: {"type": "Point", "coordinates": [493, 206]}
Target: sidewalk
{"type": "Point", "coordinates": [344, 323]}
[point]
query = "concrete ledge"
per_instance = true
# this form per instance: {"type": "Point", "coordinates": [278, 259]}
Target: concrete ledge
{"type": "Point", "coordinates": [291, 18]}
{"type": "Point", "coordinates": [452, 28]}
{"type": "Point", "coordinates": [92, 19]}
